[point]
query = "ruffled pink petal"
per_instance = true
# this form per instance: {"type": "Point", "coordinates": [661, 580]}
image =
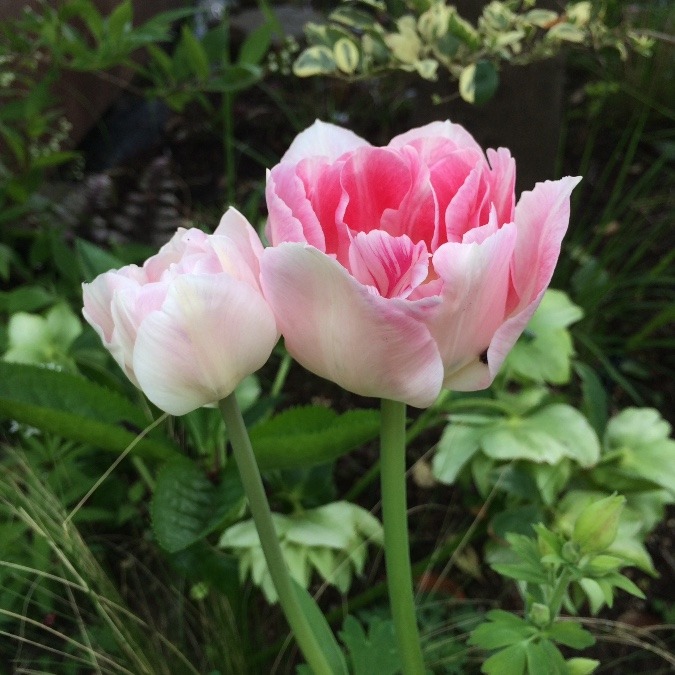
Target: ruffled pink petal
{"type": "Point", "coordinates": [541, 217]}
{"type": "Point", "coordinates": [210, 333]}
{"type": "Point", "coordinates": [473, 301]}
{"type": "Point", "coordinates": [336, 328]}
{"type": "Point", "coordinates": [434, 131]}
{"type": "Point", "coordinates": [129, 307]}
{"type": "Point", "coordinates": [322, 139]}
{"type": "Point", "coordinates": [469, 208]}
{"type": "Point", "coordinates": [238, 248]}
{"type": "Point", "coordinates": [417, 214]}
{"type": "Point", "coordinates": [291, 216]}
{"type": "Point", "coordinates": [374, 180]}
{"type": "Point", "coordinates": [394, 266]}
{"type": "Point", "coordinates": [502, 181]}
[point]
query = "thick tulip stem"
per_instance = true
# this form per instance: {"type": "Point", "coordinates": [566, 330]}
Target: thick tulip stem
{"type": "Point", "coordinates": [262, 516]}
{"type": "Point", "coordinates": [396, 547]}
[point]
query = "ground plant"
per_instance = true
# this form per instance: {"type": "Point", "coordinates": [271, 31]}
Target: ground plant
{"type": "Point", "coordinates": [303, 383]}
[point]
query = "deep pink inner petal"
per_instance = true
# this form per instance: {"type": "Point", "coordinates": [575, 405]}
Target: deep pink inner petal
{"type": "Point", "coordinates": [394, 266]}
{"type": "Point", "coordinates": [373, 180]}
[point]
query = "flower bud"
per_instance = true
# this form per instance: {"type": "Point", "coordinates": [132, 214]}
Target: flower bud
{"type": "Point", "coordinates": [540, 615]}
{"type": "Point", "coordinates": [596, 527]}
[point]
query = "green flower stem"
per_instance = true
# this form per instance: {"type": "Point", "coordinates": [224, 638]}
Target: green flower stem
{"type": "Point", "coordinates": [262, 516]}
{"type": "Point", "coordinates": [396, 547]}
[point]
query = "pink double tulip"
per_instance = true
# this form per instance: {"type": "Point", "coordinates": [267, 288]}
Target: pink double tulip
{"type": "Point", "coordinates": [191, 323]}
{"type": "Point", "coordinates": [398, 271]}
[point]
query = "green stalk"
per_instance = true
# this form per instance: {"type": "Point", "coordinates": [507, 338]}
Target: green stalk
{"type": "Point", "coordinates": [262, 516]}
{"type": "Point", "coordinates": [396, 547]}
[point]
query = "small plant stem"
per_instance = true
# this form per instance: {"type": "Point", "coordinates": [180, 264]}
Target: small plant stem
{"type": "Point", "coordinates": [396, 546]}
{"type": "Point", "coordinates": [282, 374]}
{"type": "Point", "coordinates": [262, 516]}
{"type": "Point", "coordinates": [558, 595]}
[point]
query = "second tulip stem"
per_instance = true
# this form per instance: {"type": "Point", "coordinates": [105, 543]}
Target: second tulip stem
{"type": "Point", "coordinates": [262, 516]}
{"type": "Point", "coordinates": [396, 546]}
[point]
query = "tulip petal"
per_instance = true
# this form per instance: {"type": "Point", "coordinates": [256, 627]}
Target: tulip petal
{"type": "Point", "coordinates": [431, 132]}
{"type": "Point", "coordinates": [541, 216]}
{"type": "Point", "coordinates": [291, 217]}
{"type": "Point", "coordinates": [324, 139]}
{"type": "Point", "coordinates": [210, 333]}
{"type": "Point", "coordinates": [336, 328]}
{"type": "Point", "coordinates": [475, 286]}
{"type": "Point", "coordinates": [392, 265]}
{"type": "Point", "coordinates": [502, 180]}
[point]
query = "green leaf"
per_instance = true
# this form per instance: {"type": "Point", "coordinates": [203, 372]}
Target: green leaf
{"type": "Point", "coordinates": [322, 632]}
{"type": "Point", "coordinates": [543, 352]}
{"type": "Point", "coordinates": [233, 78]}
{"type": "Point", "coordinates": [555, 432]}
{"type": "Point", "coordinates": [25, 298]}
{"type": "Point", "coordinates": [74, 408]}
{"type": "Point", "coordinates": [311, 435]}
{"type": "Point", "coordinates": [194, 54]}
{"type": "Point", "coordinates": [501, 630]}
{"type": "Point", "coordinates": [567, 33]}
{"type": "Point", "coordinates": [119, 21]}
{"type": "Point", "coordinates": [187, 506]}
{"type": "Point", "coordinates": [316, 60]}
{"type": "Point", "coordinates": [595, 401]}
{"type": "Point", "coordinates": [376, 652]}
{"type": "Point", "coordinates": [346, 55]}
{"type": "Point", "coordinates": [478, 82]}
{"type": "Point", "coordinates": [544, 657]}
{"type": "Point", "coordinates": [457, 446]}
{"type": "Point", "coordinates": [255, 45]}
{"type": "Point", "coordinates": [571, 634]}
{"type": "Point", "coordinates": [580, 666]}
{"type": "Point", "coordinates": [94, 260]}
{"type": "Point", "coordinates": [509, 661]}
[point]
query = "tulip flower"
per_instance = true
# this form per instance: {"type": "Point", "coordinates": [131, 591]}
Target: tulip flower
{"type": "Point", "coordinates": [192, 322]}
{"type": "Point", "coordinates": [398, 271]}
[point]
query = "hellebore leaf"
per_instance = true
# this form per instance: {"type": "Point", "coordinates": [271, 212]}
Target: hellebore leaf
{"type": "Point", "coordinates": [543, 352]}
{"type": "Point", "coordinates": [374, 652]}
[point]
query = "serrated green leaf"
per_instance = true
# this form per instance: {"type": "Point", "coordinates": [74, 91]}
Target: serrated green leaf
{"type": "Point", "coordinates": [478, 82]}
{"type": "Point", "coordinates": [187, 506]}
{"type": "Point", "coordinates": [316, 60]}
{"type": "Point", "coordinates": [311, 435]}
{"type": "Point", "coordinates": [74, 408]}
{"type": "Point", "coordinates": [376, 652]}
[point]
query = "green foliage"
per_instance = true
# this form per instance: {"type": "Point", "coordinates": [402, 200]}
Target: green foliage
{"type": "Point", "coordinates": [74, 408]}
{"type": "Point", "coordinates": [359, 41]}
{"type": "Point", "coordinates": [187, 505]}
{"type": "Point", "coordinates": [548, 568]}
{"type": "Point", "coordinates": [373, 652]}
{"type": "Point", "coordinates": [39, 340]}
{"type": "Point", "coordinates": [544, 352]}
{"type": "Point", "coordinates": [330, 540]}
{"type": "Point", "coordinates": [311, 435]}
